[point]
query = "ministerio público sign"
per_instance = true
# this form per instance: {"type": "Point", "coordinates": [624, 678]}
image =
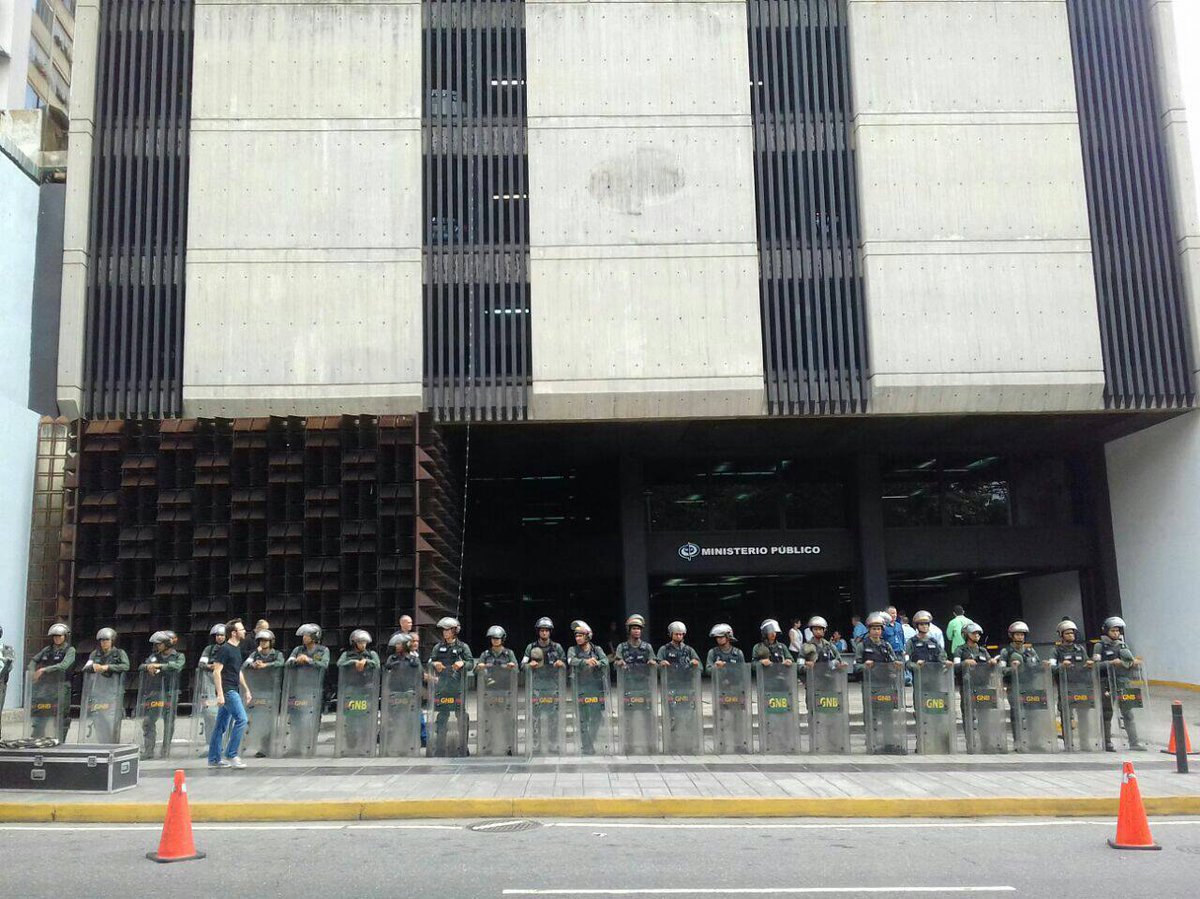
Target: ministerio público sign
{"type": "Point", "coordinates": [691, 551]}
{"type": "Point", "coordinates": [673, 553]}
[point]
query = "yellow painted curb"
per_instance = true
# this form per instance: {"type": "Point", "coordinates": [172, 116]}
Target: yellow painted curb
{"type": "Point", "coordinates": [583, 807]}
{"type": "Point", "coordinates": [1176, 684]}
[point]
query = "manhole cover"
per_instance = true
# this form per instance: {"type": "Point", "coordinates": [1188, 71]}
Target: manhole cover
{"type": "Point", "coordinates": [503, 826]}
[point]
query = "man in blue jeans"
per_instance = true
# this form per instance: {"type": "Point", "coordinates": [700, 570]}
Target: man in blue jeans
{"type": "Point", "coordinates": [227, 676]}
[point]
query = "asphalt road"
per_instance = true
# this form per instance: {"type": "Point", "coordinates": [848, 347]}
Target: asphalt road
{"type": "Point", "coordinates": [1062, 858]}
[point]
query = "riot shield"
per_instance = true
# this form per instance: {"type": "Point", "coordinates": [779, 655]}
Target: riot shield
{"type": "Point", "coordinates": [983, 714]}
{"type": "Point", "coordinates": [1129, 691]}
{"type": "Point", "coordinates": [157, 704]}
{"type": "Point", "coordinates": [400, 727]}
{"type": "Point", "coordinates": [204, 710]}
{"type": "Point", "coordinates": [933, 699]}
{"type": "Point", "coordinates": [637, 702]}
{"type": "Point", "coordinates": [47, 703]}
{"type": "Point", "coordinates": [262, 712]}
{"type": "Point", "coordinates": [1079, 707]}
{"type": "Point", "coordinates": [300, 710]}
{"type": "Point", "coordinates": [828, 698]}
{"type": "Point", "coordinates": [448, 700]}
{"type": "Point", "coordinates": [777, 691]}
{"type": "Point", "coordinates": [546, 724]}
{"type": "Point", "coordinates": [593, 727]}
{"type": "Point", "coordinates": [356, 728]}
{"type": "Point", "coordinates": [101, 708]}
{"type": "Point", "coordinates": [679, 688]}
{"type": "Point", "coordinates": [1031, 697]}
{"type": "Point", "coordinates": [496, 707]}
{"type": "Point", "coordinates": [731, 709]}
{"type": "Point", "coordinates": [883, 710]}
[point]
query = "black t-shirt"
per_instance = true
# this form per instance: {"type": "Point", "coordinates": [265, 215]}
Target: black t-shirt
{"type": "Point", "coordinates": [230, 657]}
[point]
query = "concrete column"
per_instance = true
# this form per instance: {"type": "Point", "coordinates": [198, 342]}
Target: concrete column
{"type": "Point", "coordinates": [634, 577]}
{"type": "Point", "coordinates": [644, 266]}
{"type": "Point", "coordinates": [872, 558]}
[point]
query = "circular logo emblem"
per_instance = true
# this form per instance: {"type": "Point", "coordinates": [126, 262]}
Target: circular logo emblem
{"type": "Point", "coordinates": [689, 551]}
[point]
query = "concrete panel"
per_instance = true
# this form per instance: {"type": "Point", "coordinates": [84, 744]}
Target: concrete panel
{"type": "Point", "coordinates": [967, 182]}
{"type": "Point", "coordinates": [980, 291]}
{"type": "Point", "coordinates": [1012, 56]}
{"type": "Point", "coordinates": [290, 189]}
{"type": "Point", "coordinates": [644, 271]}
{"type": "Point", "coordinates": [1185, 200]}
{"type": "Point", "coordinates": [645, 338]}
{"type": "Point", "coordinates": [697, 53]}
{"type": "Point", "coordinates": [290, 60]}
{"type": "Point", "coordinates": [992, 332]}
{"type": "Point", "coordinates": [328, 338]}
{"type": "Point", "coordinates": [637, 186]}
{"type": "Point", "coordinates": [305, 211]}
{"type": "Point", "coordinates": [1046, 598]}
{"type": "Point", "coordinates": [1154, 490]}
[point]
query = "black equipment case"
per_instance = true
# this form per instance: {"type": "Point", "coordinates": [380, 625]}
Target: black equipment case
{"type": "Point", "coordinates": [72, 768]}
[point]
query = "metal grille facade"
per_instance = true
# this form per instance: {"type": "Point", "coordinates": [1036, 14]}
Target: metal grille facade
{"type": "Point", "coordinates": [1143, 322]}
{"type": "Point", "coordinates": [48, 587]}
{"type": "Point", "coordinates": [814, 333]}
{"type": "Point", "coordinates": [476, 200]}
{"type": "Point", "coordinates": [133, 342]}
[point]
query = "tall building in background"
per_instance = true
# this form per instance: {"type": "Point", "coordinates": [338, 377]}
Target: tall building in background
{"type": "Point", "coordinates": [36, 51]}
{"type": "Point", "coordinates": [712, 310]}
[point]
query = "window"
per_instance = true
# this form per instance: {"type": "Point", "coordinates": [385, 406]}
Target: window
{"type": "Point", "coordinates": [745, 496]}
{"type": "Point", "coordinates": [45, 11]}
{"type": "Point", "coordinates": [934, 491]}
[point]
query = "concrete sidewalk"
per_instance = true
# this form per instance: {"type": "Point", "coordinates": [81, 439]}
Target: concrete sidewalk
{"type": "Point", "coordinates": [731, 786]}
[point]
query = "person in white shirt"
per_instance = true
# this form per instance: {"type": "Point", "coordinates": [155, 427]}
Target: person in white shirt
{"type": "Point", "coordinates": [795, 636]}
{"type": "Point", "coordinates": [936, 633]}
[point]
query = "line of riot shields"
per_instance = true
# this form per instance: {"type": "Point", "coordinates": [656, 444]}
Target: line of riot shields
{"type": "Point", "coordinates": [411, 710]}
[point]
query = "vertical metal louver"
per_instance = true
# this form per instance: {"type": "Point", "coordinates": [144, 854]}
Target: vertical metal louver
{"type": "Point", "coordinates": [476, 247]}
{"type": "Point", "coordinates": [133, 342]}
{"type": "Point", "coordinates": [814, 334]}
{"type": "Point", "coordinates": [1143, 322]}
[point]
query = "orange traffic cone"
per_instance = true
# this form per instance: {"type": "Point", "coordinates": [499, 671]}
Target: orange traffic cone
{"type": "Point", "coordinates": [1187, 742]}
{"type": "Point", "coordinates": [1133, 830]}
{"type": "Point", "coordinates": [176, 844]}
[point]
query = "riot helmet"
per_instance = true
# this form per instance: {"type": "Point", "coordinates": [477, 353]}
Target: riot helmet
{"type": "Point", "coordinates": [1114, 621]}
{"type": "Point", "coordinates": [817, 621]}
{"type": "Point", "coordinates": [634, 621]}
{"type": "Point", "coordinates": [582, 626]}
{"type": "Point", "coordinates": [449, 623]}
{"type": "Point", "coordinates": [1018, 627]}
{"type": "Point", "coordinates": [497, 632]}
{"type": "Point", "coordinates": [309, 630]}
{"type": "Point", "coordinates": [770, 626]}
{"type": "Point", "coordinates": [676, 627]}
{"type": "Point", "coordinates": [721, 630]}
{"type": "Point", "coordinates": [106, 633]}
{"type": "Point", "coordinates": [358, 635]}
{"type": "Point", "coordinates": [922, 617]}
{"type": "Point", "coordinates": [876, 619]}
{"type": "Point", "coordinates": [217, 630]}
{"type": "Point", "coordinates": [265, 635]}
{"type": "Point", "coordinates": [58, 630]}
{"type": "Point", "coordinates": [1067, 625]}
{"type": "Point", "coordinates": [972, 628]}
{"type": "Point", "coordinates": [543, 622]}
{"type": "Point", "coordinates": [160, 637]}
{"type": "Point", "coordinates": [400, 639]}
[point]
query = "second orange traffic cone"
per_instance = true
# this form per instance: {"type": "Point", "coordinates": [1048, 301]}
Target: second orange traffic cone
{"type": "Point", "coordinates": [1187, 742]}
{"type": "Point", "coordinates": [1133, 830]}
{"type": "Point", "coordinates": [176, 844]}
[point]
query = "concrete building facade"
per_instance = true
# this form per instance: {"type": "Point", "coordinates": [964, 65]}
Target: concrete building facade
{"type": "Point", "coordinates": [880, 277]}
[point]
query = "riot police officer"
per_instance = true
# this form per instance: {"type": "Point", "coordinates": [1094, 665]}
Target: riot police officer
{"type": "Point", "coordinates": [107, 659]}
{"type": "Point", "coordinates": [770, 650]}
{"type": "Point", "coordinates": [724, 653]}
{"type": "Point", "coordinates": [551, 654]}
{"type": "Point", "coordinates": [1068, 652]}
{"type": "Point", "coordinates": [104, 713]}
{"type": "Point", "coordinates": [497, 655]}
{"type": "Point", "coordinates": [1115, 659]}
{"type": "Point", "coordinates": [589, 666]}
{"type": "Point", "coordinates": [818, 648]}
{"type": "Point", "coordinates": [310, 651]}
{"type": "Point", "coordinates": [1017, 654]}
{"type": "Point", "coordinates": [402, 655]}
{"type": "Point", "coordinates": [922, 649]}
{"type": "Point", "coordinates": [57, 658]}
{"type": "Point", "coordinates": [7, 659]}
{"type": "Point", "coordinates": [676, 653]}
{"type": "Point", "coordinates": [452, 662]}
{"type": "Point", "coordinates": [357, 654]}
{"type": "Point", "coordinates": [634, 650]}
{"type": "Point", "coordinates": [265, 655]}
{"type": "Point", "coordinates": [874, 650]}
{"type": "Point", "coordinates": [217, 634]}
{"type": "Point", "coordinates": [160, 691]}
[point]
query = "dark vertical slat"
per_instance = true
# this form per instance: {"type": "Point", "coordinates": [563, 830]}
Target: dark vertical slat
{"type": "Point", "coordinates": [1144, 332]}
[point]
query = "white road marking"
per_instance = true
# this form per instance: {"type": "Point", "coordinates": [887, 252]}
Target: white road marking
{"type": "Point", "coordinates": [84, 828]}
{"type": "Point", "coordinates": [757, 891]}
{"type": "Point", "coordinates": [872, 825]}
